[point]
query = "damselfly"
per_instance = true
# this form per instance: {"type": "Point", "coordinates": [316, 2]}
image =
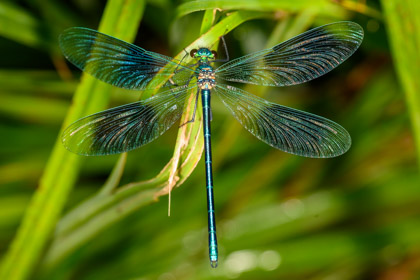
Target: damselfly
{"type": "Point", "coordinates": [121, 129]}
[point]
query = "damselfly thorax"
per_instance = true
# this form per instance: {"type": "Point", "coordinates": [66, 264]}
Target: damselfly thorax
{"type": "Point", "coordinates": [206, 77]}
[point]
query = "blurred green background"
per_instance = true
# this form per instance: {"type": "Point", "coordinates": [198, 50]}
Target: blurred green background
{"type": "Point", "coordinates": [279, 216]}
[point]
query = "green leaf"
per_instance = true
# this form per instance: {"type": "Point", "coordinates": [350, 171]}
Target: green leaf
{"type": "Point", "coordinates": [403, 31]}
{"type": "Point", "coordinates": [115, 177]}
{"type": "Point", "coordinates": [323, 7]}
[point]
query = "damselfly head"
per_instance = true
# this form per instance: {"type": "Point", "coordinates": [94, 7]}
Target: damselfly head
{"type": "Point", "coordinates": [203, 53]}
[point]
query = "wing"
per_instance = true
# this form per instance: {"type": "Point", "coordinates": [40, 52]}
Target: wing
{"type": "Point", "coordinates": [127, 127]}
{"type": "Point", "coordinates": [117, 62]}
{"type": "Point", "coordinates": [284, 128]}
{"type": "Point", "coordinates": [298, 60]}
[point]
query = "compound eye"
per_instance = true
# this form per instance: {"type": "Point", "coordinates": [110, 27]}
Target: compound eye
{"type": "Point", "coordinates": [193, 52]}
{"type": "Point", "coordinates": [214, 54]}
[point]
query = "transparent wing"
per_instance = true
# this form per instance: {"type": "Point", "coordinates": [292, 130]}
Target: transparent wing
{"type": "Point", "coordinates": [127, 127]}
{"type": "Point", "coordinates": [117, 62]}
{"type": "Point", "coordinates": [298, 60]}
{"type": "Point", "coordinates": [284, 128]}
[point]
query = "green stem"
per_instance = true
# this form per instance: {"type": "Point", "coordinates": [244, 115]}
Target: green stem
{"type": "Point", "coordinates": [404, 34]}
{"type": "Point", "coordinates": [121, 19]}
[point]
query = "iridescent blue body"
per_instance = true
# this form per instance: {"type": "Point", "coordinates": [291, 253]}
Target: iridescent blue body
{"type": "Point", "coordinates": [124, 128]}
{"type": "Point", "coordinates": [206, 81]}
{"type": "Point", "coordinates": [205, 98]}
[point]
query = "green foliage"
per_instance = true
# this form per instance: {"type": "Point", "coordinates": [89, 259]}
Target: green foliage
{"type": "Point", "coordinates": [404, 29]}
{"type": "Point", "coordinates": [279, 215]}
{"type": "Point", "coordinates": [322, 7]}
{"type": "Point", "coordinates": [62, 167]}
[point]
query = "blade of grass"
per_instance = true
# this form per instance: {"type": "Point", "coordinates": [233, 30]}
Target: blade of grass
{"type": "Point", "coordinates": [33, 109]}
{"type": "Point", "coordinates": [208, 20]}
{"type": "Point", "coordinates": [115, 177]}
{"type": "Point", "coordinates": [404, 34]}
{"type": "Point", "coordinates": [96, 214]}
{"type": "Point", "coordinates": [35, 81]}
{"type": "Point", "coordinates": [121, 19]}
{"type": "Point", "coordinates": [323, 7]}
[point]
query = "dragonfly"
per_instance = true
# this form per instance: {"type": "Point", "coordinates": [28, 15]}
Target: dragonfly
{"type": "Point", "coordinates": [124, 128]}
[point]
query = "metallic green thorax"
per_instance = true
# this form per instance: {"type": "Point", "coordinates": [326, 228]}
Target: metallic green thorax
{"type": "Point", "coordinates": [206, 81]}
{"type": "Point", "coordinates": [206, 77]}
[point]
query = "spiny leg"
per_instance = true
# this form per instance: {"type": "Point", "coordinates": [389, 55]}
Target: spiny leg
{"type": "Point", "coordinates": [226, 49]}
{"type": "Point", "coordinates": [195, 109]}
{"type": "Point", "coordinates": [226, 52]}
{"type": "Point", "coordinates": [176, 69]}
